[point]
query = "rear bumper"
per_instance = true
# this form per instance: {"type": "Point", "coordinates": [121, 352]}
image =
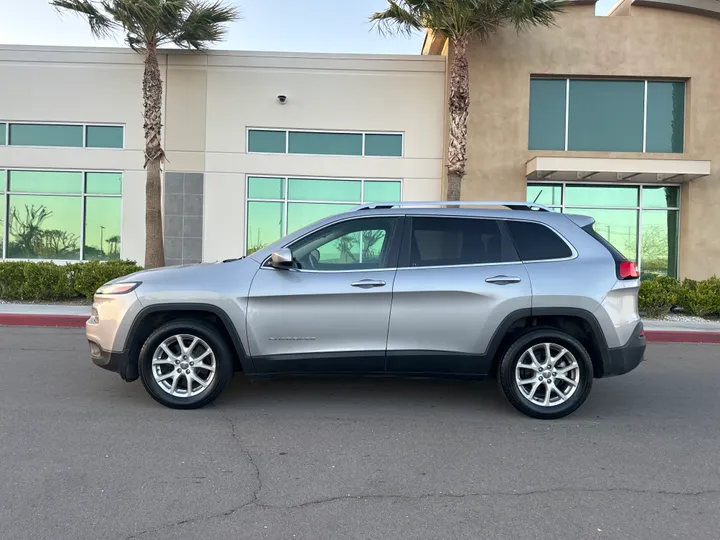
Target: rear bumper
{"type": "Point", "coordinates": [626, 358]}
{"type": "Point", "coordinates": [117, 362]}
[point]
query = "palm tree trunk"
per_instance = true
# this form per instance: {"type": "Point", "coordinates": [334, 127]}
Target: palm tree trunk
{"type": "Point", "coordinates": [459, 104]}
{"type": "Point", "coordinates": [154, 157]}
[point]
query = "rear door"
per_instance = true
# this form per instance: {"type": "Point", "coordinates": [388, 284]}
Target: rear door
{"type": "Point", "coordinates": [458, 278]}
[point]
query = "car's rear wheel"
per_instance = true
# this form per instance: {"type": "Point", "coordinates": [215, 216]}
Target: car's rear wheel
{"type": "Point", "coordinates": [546, 374]}
{"type": "Point", "coordinates": [185, 364]}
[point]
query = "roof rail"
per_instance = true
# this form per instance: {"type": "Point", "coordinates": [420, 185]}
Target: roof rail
{"type": "Point", "coordinates": [512, 205]}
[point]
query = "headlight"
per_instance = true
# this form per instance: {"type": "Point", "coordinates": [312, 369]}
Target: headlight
{"type": "Point", "coordinates": [119, 288]}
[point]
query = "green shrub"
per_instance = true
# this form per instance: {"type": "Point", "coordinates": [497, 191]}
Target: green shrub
{"type": "Point", "coordinates": [699, 298]}
{"type": "Point", "coordinates": [46, 281]}
{"type": "Point", "coordinates": [91, 275]}
{"type": "Point", "coordinates": [658, 295]}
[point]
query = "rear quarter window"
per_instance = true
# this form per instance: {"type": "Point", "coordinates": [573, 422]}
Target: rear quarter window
{"type": "Point", "coordinates": [537, 242]}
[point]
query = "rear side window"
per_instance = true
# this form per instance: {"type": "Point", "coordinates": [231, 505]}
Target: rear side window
{"type": "Point", "coordinates": [536, 242]}
{"type": "Point", "coordinates": [443, 241]}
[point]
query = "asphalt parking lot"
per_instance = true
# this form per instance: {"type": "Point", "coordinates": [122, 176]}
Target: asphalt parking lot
{"type": "Point", "coordinates": [84, 455]}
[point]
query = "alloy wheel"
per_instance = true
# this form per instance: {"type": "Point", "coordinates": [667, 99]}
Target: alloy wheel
{"type": "Point", "coordinates": [547, 374]}
{"type": "Point", "coordinates": [183, 365]}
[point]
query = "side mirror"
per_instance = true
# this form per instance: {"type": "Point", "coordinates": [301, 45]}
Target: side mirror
{"type": "Point", "coordinates": [282, 258]}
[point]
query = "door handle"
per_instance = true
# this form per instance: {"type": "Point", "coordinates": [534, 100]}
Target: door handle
{"type": "Point", "coordinates": [503, 280]}
{"type": "Point", "coordinates": [368, 283]}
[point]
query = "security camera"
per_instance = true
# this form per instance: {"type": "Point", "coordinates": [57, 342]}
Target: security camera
{"type": "Point", "coordinates": [282, 99]}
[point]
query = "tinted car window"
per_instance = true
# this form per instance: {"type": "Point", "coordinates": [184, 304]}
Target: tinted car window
{"type": "Point", "coordinates": [453, 241]}
{"type": "Point", "coordinates": [358, 244]}
{"type": "Point", "coordinates": [536, 242]}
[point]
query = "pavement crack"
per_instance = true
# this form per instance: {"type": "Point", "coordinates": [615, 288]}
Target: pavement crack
{"type": "Point", "coordinates": [248, 455]}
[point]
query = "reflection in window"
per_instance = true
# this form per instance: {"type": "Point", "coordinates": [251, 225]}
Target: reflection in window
{"type": "Point", "coordinates": [640, 221]}
{"type": "Point", "coordinates": [45, 215]}
{"type": "Point", "coordinates": [44, 227]}
{"type": "Point", "coordinates": [102, 228]}
{"type": "Point", "coordinates": [329, 143]}
{"type": "Point", "coordinates": [280, 206]}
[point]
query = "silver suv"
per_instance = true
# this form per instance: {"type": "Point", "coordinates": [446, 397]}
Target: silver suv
{"type": "Point", "coordinates": [532, 297]}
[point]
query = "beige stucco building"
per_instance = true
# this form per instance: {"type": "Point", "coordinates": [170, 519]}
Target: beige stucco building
{"type": "Point", "coordinates": [596, 113]}
{"type": "Point", "coordinates": [615, 116]}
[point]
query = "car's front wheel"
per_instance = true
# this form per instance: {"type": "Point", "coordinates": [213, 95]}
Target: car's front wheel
{"type": "Point", "coordinates": [185, 364]}
{"type": "Point", "coordinates": [546, 374]}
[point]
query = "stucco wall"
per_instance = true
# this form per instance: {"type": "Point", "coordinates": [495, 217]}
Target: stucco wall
{"type": "Point", "coordinates": [230, 91]}
{"type": "Point", "coordinates": [648, 43]}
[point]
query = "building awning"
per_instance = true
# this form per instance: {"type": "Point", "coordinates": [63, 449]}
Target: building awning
{"type": "Point", "coordinates": [584, 169]}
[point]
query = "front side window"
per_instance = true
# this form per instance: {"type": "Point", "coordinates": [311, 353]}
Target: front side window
{"type": "Point", "coordinates": [439, 241]}
{"type": "Point", "coordinates": [596, 115]}
{"type": "Point", "coordinates": [358, 244]}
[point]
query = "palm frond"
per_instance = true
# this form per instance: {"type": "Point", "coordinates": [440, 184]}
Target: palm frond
{"type": "Point", "coordinates": [404, 19]}
{"type": "Point", "coordinates": [525, 14]}
{"type": "Point", "coordinates": [204, 23]}
{"type": "Point", "coordinates": [100, 24]}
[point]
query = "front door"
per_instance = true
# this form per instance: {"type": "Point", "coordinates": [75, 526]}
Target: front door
{"type": "Point", "coordinates": [330, 311]}
{"type": "Point", "coordinates": [458, 278]}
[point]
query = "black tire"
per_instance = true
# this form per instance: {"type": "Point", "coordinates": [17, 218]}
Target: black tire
{"type": "Point", "coordinates": [224, 363]}
{"type": "Point", "coordinates": [509, 386]}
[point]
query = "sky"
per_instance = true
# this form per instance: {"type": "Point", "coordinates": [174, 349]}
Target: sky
{"type": "Point", "coordinates": [266, 25]}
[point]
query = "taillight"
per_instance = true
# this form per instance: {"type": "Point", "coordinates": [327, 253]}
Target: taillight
{"type": "Point", "coordinates": [628, 270]}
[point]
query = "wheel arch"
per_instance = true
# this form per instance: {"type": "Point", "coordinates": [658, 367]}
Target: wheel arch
{"type": "Point", "coordinates": [150, 317]}
{"type": "Point", "coordinates": [579, 323]}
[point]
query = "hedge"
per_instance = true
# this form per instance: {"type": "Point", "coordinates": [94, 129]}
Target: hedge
{"type": "Point", "coordinates": [46, 281]}
{"type": "Point", "coordinates": [658, 296]}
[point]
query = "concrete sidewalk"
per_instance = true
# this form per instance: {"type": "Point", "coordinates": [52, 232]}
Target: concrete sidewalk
{"type": "Point", "coordinates": [675, 330]}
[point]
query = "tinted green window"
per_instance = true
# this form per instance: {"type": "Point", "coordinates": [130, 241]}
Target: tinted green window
{"type": "Point", "coordinates": [665, 117]}
{"type": "Point", "coordinates": [583, 195]}
{"type": "Point", "coordinates": [102, 228]}
{"type": "Point", "coordinates": [46, 135]}
{"type": "Point", "coordinates": [606, 116]}
{"type": "Point", "coordinates": [547, 114]}
{"type": "Point", "coordinates": [3, 129]}
{"type": "Point", "coordinates": [3, 176]}
{"type": "Point", "coordinates": [265, 224]}
{"type": "Point", "coordinates": [2, 222]}
{"type": "Point", "coordinates": [104, 137]}
{"type": "Point", "coordinates": [336, 144]}
{"type": "Point", "coordinates": [382, 192]}
{"type": "Point", "coordinates": [302, 214]}
{"type": "Point", "coordinates": [103, 183]}
{"type": "Point", "coordinates": [266, 141]}
{"type": "Point", "coordinates": [659, 242]}
{"type": "Point", "coordinates": [45, 182]}
{"type": "Point", "coordinates": [619, 227]}
{"type": "Point", "coordinates": [44, 227]}
{"type": "Point", "coordinates": [547, 194]}
{"type": "Point", "coordinates": [266, 188]}
{"type": "Point", "coordinates": [660, 197]}
{"type": "Point", "coordinates": [308, 189]}
{"type": "Point", "coordinates": [383, 145]}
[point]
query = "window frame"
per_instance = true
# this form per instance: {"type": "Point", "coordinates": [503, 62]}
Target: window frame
{"type": "Point", "coordinates": [395, 244]}
{"type": "Point", "coordinates": [406, 248]}
{"type": "Point", "coordinates": [562, 207]}
{"type": "Point", "coordinates": [6, 194]}
{"type": "Point", "coordinates": [645, 82]}
{"type": "Point", "coordinates": [287, 132]}
{"type": "Point", "coordinates": [84, 126]}
{"type": "Point", "coordinates": [286, 201]}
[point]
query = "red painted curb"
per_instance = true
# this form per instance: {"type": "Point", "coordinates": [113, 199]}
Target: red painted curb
{"type": "Point", "coordinates": [23, 319]}
{"type": "Point", "coordinates": [675, 336]}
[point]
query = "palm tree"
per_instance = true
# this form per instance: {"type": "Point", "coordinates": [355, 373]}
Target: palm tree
{"type": "Point", "coordinates": [147, 25]}
{"type": "Point", "coordinates": [460, 21]}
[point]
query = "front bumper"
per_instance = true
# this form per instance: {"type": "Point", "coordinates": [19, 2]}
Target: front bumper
{"type": "Point", "coordinates": [626, 358]}
{"type": "Point", "coordinates": [117, 362]}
